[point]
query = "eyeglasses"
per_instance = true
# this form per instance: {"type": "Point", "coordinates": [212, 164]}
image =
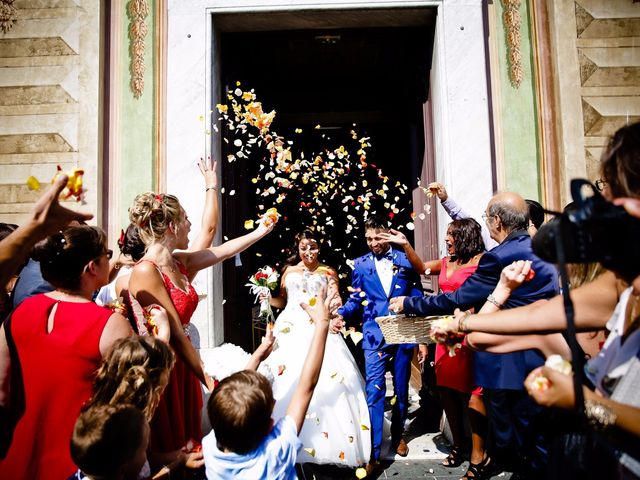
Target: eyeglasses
{"type": "Point", "coordinates": [486, 217]}
{"type": "Point", "coordinates": [600, 184]}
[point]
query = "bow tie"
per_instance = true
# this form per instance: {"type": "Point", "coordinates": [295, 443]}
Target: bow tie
{"type": "Point", "coordinates": [388, 255]}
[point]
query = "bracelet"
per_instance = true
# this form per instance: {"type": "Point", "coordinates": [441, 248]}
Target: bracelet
{"type": "Point", "coordinates": [492, 299]}
{"type": "Point", "coordinates": [211, 188]}
{"type": "Point", "coordinates": [599, 416]}
{"type": "Point", "coordinates": [462, 322]}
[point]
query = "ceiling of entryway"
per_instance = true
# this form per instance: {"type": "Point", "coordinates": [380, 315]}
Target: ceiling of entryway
{"type": "Point", "coordinates": [350, 65]}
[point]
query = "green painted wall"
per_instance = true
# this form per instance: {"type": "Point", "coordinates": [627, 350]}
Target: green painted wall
{"type": "Point", "coordinates": [519, 113]}
{"type": "Point", "coordinates": [136, 122]}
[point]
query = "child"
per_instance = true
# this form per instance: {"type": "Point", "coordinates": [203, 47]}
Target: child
{"type": "Point", "coordinates": [110, 442]}
{"type": "Point", "coordinates": [244, 443]}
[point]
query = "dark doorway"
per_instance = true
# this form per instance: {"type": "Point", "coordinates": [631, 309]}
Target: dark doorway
{"type": "Point", "coordinates": [372, 79]}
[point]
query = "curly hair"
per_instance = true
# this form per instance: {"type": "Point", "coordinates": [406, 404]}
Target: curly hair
{"type": "Point", "coordinates": [153, 214]}
{"type": "Point", "coordinates": [64, 255]}
{"type": "Point", "coordinates": [620, 163]}
{"type": "Point", "coordinates": [131, 373]}
{"type": "Point", "coordinates": [467, 238]}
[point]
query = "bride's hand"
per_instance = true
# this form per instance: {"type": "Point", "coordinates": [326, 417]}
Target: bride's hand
{"type": "Point", "coordinates": [336, 324]}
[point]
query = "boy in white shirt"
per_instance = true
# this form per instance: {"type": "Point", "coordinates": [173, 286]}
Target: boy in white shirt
{"type": "Point", "coordinates": [244, 442]}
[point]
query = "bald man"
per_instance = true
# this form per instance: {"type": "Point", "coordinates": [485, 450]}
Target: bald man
{"type": "Point", "coordinates": [501, 375]}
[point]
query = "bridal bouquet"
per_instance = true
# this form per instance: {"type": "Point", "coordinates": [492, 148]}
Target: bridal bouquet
{"type": "Point", "coordinates": [262, 282]}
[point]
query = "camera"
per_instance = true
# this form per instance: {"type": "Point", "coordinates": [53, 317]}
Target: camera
{"type": "Point", "coordinates": [592, 230]}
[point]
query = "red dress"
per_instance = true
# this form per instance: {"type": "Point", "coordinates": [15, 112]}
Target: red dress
{"type": "Point", "coordinates": [177, 418]}
{"type": "Point", "coordinates": [58, 370]}
{"type": "Point", "coordinates": [454, 372]}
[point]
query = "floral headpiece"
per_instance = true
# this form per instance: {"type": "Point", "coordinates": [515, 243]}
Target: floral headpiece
{"type": "Point", "coordinates": [121, 240]}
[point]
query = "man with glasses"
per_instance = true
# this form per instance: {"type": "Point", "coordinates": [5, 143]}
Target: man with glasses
{"type": "Point", "coordinates": [501, 375]}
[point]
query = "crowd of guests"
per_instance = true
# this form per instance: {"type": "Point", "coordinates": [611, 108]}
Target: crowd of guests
{"type": "Point", "coordinates": [99, 378]}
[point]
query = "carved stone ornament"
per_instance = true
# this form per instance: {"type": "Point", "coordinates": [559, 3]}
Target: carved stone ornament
{"type": "Point", "coordinates": [512, 23]}
{"type": "Point", "coordinates": [138, 11]}
{"type": "Point", "coordinates": [8, 15]}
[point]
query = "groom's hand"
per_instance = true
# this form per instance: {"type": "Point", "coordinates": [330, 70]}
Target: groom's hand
{"type": "Point", "coordinates": [396, 304]}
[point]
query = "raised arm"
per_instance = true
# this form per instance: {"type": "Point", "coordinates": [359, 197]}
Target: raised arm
{"type": "Point", "coordinates": [211, 210]}
{"type": "Point", "coordinates": [299, 403]}
{"type": "Point", "coordinates": [594, 303]}
{"type": "Point", "coordinates": [47, 217]}
{"type": "Point", "coordinates": [147, 286]}
{"type": "Point", "coordinates": [399, 238]}
{"type": "Point", "coordinates": [196, 261]}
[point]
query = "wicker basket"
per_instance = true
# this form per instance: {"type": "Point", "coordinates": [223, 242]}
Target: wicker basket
{"type": "Point", "coordinates": [403, 329]}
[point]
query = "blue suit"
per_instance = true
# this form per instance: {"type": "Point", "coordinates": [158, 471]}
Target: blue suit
{"type": "Point", "coordinates": [368, 302]}
{"type": "Point", "coordinates": [502, 375]}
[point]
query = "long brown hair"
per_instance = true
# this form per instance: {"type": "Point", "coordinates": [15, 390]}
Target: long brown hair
{"type": "Point", "coordinates": [131, 373]}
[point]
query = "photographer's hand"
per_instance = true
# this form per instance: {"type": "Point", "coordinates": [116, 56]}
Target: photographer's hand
{"type": "Point", "coordinates": [631, 205]}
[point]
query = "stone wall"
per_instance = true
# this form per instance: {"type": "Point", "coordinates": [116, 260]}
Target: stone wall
{"type": "Point", "coordinates": [50, 75]}
{"type": "Point", "coordinates": [596, 55]}
{"type": "Point", "coordinates": [608, 46]}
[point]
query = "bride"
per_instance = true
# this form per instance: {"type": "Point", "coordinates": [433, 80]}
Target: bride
{"type": "Point", "coordinates": [336, 427]}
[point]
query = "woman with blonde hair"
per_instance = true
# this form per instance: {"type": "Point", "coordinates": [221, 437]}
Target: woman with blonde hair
{"type": "Point", "coordinates": [162, 277]}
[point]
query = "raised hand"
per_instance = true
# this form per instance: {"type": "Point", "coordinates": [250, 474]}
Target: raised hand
{"type": "Point", "coordinates": [49, 215]}
{"type": "Point", "coordinates": [393, 236]}
{"type": "Point", "coordinates": [318, 308]}
{"type": "Point", "coordinates": [436, 188]}
{"type": "Point", "coordinates": [208, 169]}
{"type": "Point", "coordinates": [514, 275]}
{"type": "Point", "coordinates": [266, 346]}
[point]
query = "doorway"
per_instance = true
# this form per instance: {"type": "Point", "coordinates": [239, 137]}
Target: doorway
{"type": "Point", "coordinates": [342, 71]}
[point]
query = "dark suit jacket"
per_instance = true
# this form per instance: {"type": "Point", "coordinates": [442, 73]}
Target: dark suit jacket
{"type": "Point", "coordinates": [370, 300]}
{"type": "Point", "coordinates": [498, 371]}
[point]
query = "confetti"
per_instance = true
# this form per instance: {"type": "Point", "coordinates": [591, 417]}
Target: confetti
{"type": "Point", "coordinates": [364, 427]}
{"type": "Point", "coordinates": [311, 451]}
{"type": "Point", "coordinates": [361, 473]}
{"type": "Point", "coordinates": [281, 369]}
{"type": "Point", "coordinates": [33, 183]}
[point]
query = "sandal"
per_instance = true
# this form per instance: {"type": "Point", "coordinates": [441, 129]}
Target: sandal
{"type": "Point", "coordinates": [480, 471]}
{"type": "Point", "coordinates": [455, 457]}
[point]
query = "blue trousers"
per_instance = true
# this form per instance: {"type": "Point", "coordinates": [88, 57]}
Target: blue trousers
{"type": "Point", "coordinates": [396, 359]}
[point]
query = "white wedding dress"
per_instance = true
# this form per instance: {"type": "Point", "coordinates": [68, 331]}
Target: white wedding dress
{"type": "Point", "coordinates": [337, 427]}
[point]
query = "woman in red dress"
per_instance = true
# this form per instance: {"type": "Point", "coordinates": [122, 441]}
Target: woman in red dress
{"type": "Point", "coordinates": [162, 277]}
{"type": "Point", "coordinates": [58, 340]}
{"type": "Point", "coordinates": [454, 374]}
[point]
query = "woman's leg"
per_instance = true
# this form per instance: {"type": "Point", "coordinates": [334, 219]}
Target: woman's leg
{"type": "Point", "coordinates": [453, 403]}
{"type": "Point", "coordinates": [478, 420]}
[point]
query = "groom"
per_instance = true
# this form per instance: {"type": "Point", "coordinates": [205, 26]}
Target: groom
{"type": "Point", "coordinates": [377, 277]}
